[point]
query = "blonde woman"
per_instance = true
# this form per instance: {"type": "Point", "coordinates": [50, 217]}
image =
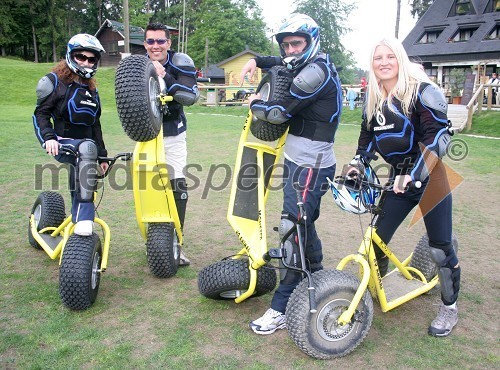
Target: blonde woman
{"type": "Point", "coordinates": [405, 122]}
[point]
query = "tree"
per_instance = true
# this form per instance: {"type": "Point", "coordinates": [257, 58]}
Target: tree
{"type": "Point", "coordinates": [419, 7]}
{"type": "Point", "coordinates": [331, 16]}
{"type": "Point", "coordinates": [13, 31]}
{"type": "Point", "coordinates": [230, 27]}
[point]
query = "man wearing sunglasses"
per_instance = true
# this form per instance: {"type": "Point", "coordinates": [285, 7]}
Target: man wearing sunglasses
{"type": "Point", "coordinates": [179, 73]}
{"type": "Point", "coordinates": [311, 107]}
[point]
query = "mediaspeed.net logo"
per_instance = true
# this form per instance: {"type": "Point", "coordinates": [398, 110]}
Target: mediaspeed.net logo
{"type": "Point", "coordinates": [442, 179]}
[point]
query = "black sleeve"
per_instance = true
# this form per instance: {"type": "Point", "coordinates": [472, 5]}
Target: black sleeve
{"type": "Point", "coordinates": [268, 62]}
{"type": "Point", "coordinates": [365, 140]}
{"type": "Point", "coordinates": [97, 134]}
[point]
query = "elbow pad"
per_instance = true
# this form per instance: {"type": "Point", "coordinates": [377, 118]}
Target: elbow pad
{"type": "Point", "coordinates": [186, 97]}
{"type": "Point", "coordinates": [439, 147]}
{"type": "Point", "coordinates": [275, 114]}
{"type": "Point", "coordinates": [442, 144]}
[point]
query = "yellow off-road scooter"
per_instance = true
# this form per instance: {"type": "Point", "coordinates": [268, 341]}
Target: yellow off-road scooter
{"type": "Point", "coordinates": [343, 311]}
{"type": "Point", "coordinates": [247, 274]}
{"type": "Point", "coordinates": [141, 102]}
{"type": "Point", "coordinates": [82, 259]}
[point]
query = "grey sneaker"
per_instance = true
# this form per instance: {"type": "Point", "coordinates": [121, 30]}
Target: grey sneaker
{"type": "Point", "coordinates": [271, 321]}
{"type": "Point", "coordinates": [446, 320]}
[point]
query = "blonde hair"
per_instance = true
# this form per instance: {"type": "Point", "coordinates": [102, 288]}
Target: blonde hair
{"type": "Point", "coordinates": [410, 76]}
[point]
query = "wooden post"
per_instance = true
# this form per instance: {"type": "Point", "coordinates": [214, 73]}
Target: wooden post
{"type": "Point", "coordinates": [126, 26]}
{"type": "Point", "coordinates": [206, 55]}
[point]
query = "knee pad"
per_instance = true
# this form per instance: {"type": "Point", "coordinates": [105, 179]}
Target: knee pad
{"type": "Point", "coordinates": [449, 276]}
{"type": "Point", "coordinates": [290, 250]}
{"type": "Point", "coordinates": [86, 171]}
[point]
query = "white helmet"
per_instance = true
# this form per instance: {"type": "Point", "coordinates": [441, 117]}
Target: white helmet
{"type": "Point", "coordinates": [356, 195]}
{"type": "Point", "coordinates": [302, 25]}
{"type": "Point", "coordinates": [83, 42]}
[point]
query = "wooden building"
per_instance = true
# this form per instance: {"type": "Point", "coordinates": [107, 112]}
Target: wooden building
{"type": "Point", "coordinates": [112, 37]}
{"type": "Point", "coordinates": [459, 35]}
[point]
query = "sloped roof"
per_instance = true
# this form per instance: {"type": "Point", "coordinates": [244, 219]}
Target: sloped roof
{"type": "Point", "coordinates": [246, 51]}
{"type": "Point", "coordinates": [214, 72]}
{"type": "Point", "coordinates": [441, 17]}
{"type": "Point", "coordinates": [136, 33]}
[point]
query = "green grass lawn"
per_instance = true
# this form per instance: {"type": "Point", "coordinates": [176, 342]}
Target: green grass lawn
{"type": "Point", "coordinates": [141, 322]}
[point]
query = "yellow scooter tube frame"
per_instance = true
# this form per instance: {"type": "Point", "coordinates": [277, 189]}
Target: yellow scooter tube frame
{"type": "Point", "coordinates": [153, 196]}
{"type": "Point", "coordinates": [370, 276]}
{"type": "Point", "coordinates": [246, 211]}
{"type": "Point", "coordinates": [65, 229]}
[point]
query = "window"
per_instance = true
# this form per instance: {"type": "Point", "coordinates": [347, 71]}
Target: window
{"type": "Point", "coordinates": [429, 37]}
{"type": "Point", "coordinates": [463, 34]}
{"type": "Point", "coordinates": [112, 48]}
{"type": "Point", "coordinates": [432, 72]}
{"type": "Point", "coordinates": [494, 34]}
{"type": "Point", "coordinates": [493, 6]}
{"type": "Point", "coordinates": [463, 7]}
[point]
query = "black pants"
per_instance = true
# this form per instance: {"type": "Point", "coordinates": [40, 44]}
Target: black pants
{"type": "Point", "coordinates": [437, 210]}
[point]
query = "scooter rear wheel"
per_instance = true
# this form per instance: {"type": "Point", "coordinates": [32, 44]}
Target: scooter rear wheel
{"type": "Point", "coordinates": [318, 334]}
{"type": "Point", "coordinates": [79, 274]}
{"type": "Point", "coordinates": [48, 211]}
{"type": "Point", "coordinates": [421, 258]}
{"type": "Point", "coordinates": [229, 278]}
{"type": "Point", "coordinates": [272, 86]}
{"type": "Point", "coordinates": [162, 249]}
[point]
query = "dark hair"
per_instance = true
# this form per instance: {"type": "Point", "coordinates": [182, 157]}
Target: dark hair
{"type": "Point", "coordinates": [157, 27]}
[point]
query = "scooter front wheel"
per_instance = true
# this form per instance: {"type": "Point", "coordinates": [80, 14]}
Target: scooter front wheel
{"type": "Point", "coordinates": [137, 93]}
{"type": "Point", "coordinates": [318, 334]}
{"type": "Point", "coordinates": [79, 274]}
{"type": "Point", "coordinates": [163, 249]}
{"type": "Point", "coordinates": [229, 278]}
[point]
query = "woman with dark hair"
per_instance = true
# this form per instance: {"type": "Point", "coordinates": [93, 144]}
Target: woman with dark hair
{"type": "Point", "coordinates": [68, 112]}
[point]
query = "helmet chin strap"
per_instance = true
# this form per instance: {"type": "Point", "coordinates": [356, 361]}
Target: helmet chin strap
{"type": "Point", "coordinates": [88, 73]}
{"type": "Point", "coordinates": [288, 62]}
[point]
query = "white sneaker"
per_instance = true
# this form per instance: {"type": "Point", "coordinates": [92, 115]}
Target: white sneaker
{"type": "Point", "coordinates": [84, 228]}
{"type": "Point", "coordinates": [271, 321]}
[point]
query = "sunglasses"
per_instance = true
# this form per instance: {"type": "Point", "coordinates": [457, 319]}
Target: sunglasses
{"type": "Point", "coordinates": [293, 44]}
{"type": "Point", "coordinates": [83, 58]}
{"type": "Point", "coordinates": [158, 41]}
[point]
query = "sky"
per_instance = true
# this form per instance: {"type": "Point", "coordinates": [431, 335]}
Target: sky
{"type": "Point", "coordinates": [370, 22]}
